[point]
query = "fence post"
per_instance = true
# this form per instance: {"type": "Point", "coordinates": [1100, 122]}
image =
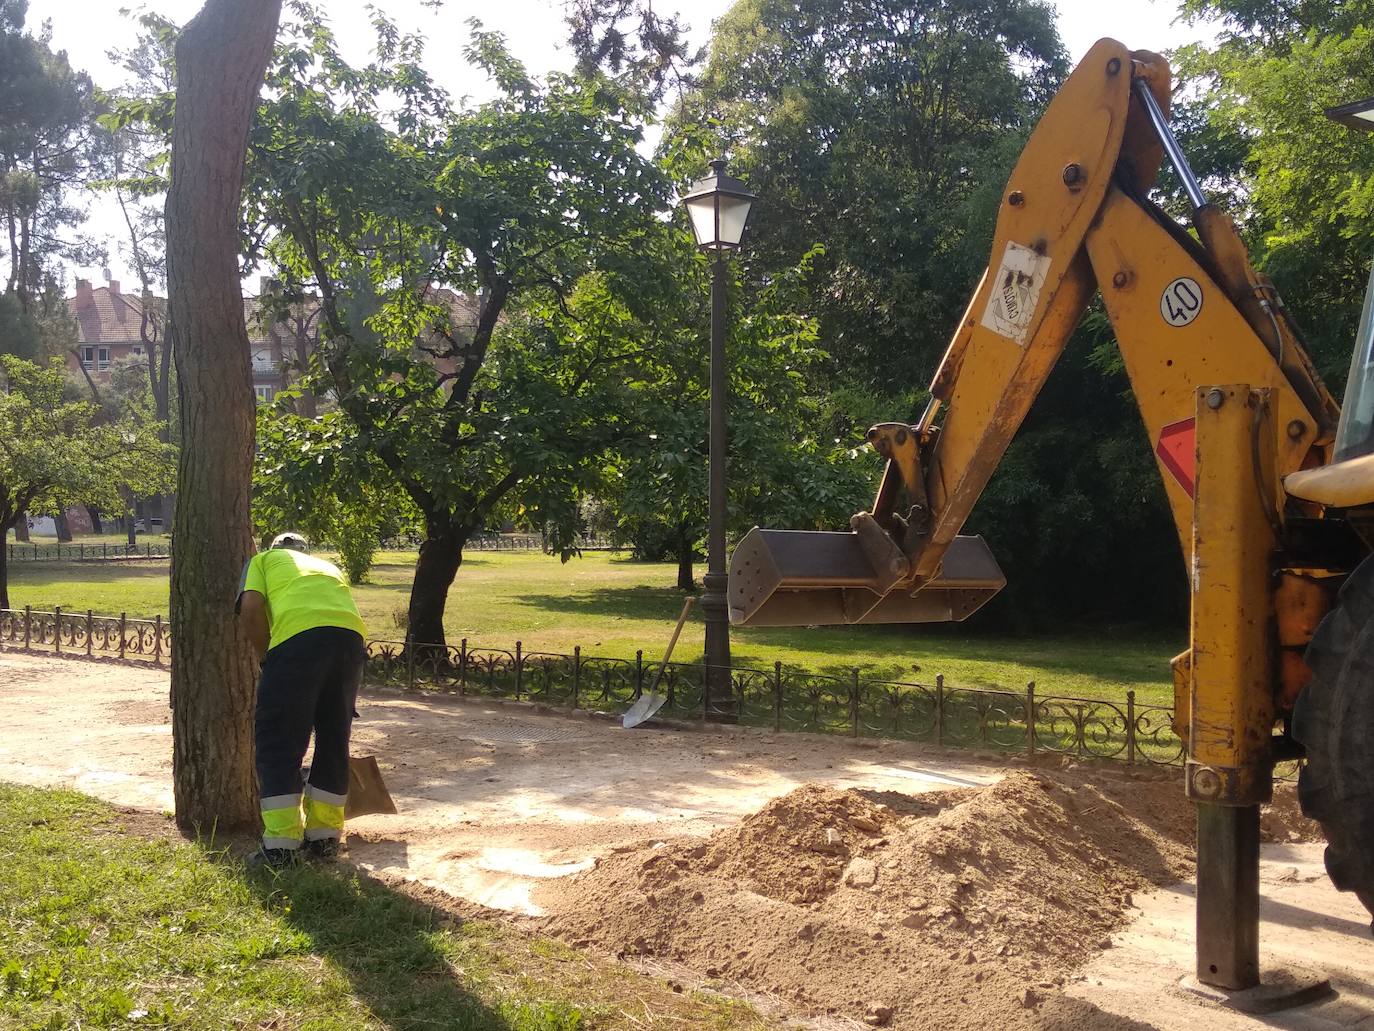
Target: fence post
{"type": "Point", "coordinates": [28, 616]}
{"type": "Point", "coordinates": [90, 631]}
{"type": "Point", "coordinates": [854, 701]}
{"type": "Point", "coordinates": [82, 555]}
{"type": "Point", "coordinates": [639, 673]}
{"type": "Point", "coordinates": [777, 696]}
{"type": "Point", "coordinates": [519, 669]}
{"type": "Point", "coordinates": [939, 708]}
{"type": "Point", "coordinates": [577, 673]}
{"type": "Point", "coordinates": [411, 646]}
{"type": "Point", "coordinates": [157, 639]}
{"type": "Point", "coordinates": [123, 624]}
{"type": "Point", "coordinates": [463, 667]}
{"type": "Point", "coordinates": [105, 551]}
{"type": "Point", "coordinates": [1130, 728]}
{"type": "Point", "coordinates": [1030, 718]}
{"type": "Point", "coordinates": [57, 629]}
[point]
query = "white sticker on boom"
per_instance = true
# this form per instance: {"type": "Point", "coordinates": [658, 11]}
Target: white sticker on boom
{"type": "Point", "coordinates": [1015, 291]}
{"type": "Point", "coordinates": [1181, 301]}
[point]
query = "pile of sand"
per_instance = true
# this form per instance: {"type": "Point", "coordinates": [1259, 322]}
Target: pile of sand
{"type": "Point", "coordinates": [1282, 819]}
{"type": "Point", "coordinates": [958, 909]}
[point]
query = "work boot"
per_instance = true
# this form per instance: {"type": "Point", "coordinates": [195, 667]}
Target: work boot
{"type": "Point", "coordinates": [273, 859]}
{"type": "Point", "coordinates": [323, 850]}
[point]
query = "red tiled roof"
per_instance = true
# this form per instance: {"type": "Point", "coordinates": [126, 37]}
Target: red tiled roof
{"type": "Point", "coordinates": [107, 316]}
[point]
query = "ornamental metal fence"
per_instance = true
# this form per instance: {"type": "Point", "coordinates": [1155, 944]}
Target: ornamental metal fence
{"type": "Point", "coordinates": [783, 698]}
{"type": "Point", "coordinates": [789, 699]}
{"type": "Point", "coordinates": [65, 632]}
{"type": "Point", "coordinates": [86, 552]}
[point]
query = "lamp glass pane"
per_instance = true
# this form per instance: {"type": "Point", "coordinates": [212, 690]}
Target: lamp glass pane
{"type": "Point", "coordinates": [703, 214]}
{"type": "Point", "coordinates": [734, 212]}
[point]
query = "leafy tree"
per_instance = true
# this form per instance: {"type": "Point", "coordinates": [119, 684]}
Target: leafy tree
{"type": "Point", "coordinates": [1306, 183]}
{"type": "Point", "coordinates": [512, 200]}
{"type": "Point", "coordinates": [55, 452]}
{"type": "Point", "coordinates": [313, 475]}
{"type": "Point", "coordinates": [786, 466]}
{"type": "Point", "coordinates": [45, 113]}
{"type": "Point", "coordinates": [884, 131]}
{"type": "Point", "coordinates": [131, 154]}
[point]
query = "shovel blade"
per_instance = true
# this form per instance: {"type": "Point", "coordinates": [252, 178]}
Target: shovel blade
{"type": "Point", "coordinates": [367, 791]}
{"type": "Point", "coordinates": [643, 709]}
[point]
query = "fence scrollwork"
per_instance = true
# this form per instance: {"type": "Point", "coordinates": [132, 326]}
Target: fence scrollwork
{"type": "Point", "coordinates": [783, 698]}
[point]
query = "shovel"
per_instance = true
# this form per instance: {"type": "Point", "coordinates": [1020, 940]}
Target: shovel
{"type": "Point", "coordinates": [367, 791]}
{"type": "Point", "coordinates": [652, 701]}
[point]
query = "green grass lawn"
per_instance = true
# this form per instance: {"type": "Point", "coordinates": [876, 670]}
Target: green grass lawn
{"type": "Point", "coordinates": [611, 606]}
{"type": "Point", "coordinates": [106, 921]}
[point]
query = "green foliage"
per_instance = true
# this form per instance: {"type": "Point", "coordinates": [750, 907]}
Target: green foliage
{"type": "Point", "coordinates": [55, 452]}
{"type": "Point", "coordinates": [45, 112]}
{"type": "Point", "coordinates": [1307, 182]}
{"type": "Point", "coordinates": [885, 132]}
{"type": "Point", "coordinates": [312, 475]}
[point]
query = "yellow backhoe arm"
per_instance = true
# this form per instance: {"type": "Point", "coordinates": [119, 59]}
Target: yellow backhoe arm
{"type": "Point", "coordinates": [1073, 221]}
{"type": "Point", "coordinates": [1243, 432]}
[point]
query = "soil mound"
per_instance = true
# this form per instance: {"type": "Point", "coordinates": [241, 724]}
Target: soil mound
{"type": "Point", "coordinates": [958, 909]}
{"type": "Point", "coordinates": [1282, 819]}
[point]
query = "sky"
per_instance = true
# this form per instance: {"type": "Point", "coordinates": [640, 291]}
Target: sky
{"type": "Point", "coordinates": [534, 29]}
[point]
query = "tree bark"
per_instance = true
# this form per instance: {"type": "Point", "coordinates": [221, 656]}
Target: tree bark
{"type": "Point", "coordinates": [221, 59]}
{"type": "Point", "coordinates": [21, 528]}
{"type": "Point", "coordinates": [441, 554]}
{"type": "Point", "coordinates": [685, 582]}
{"type": "Point", "coordinates": [5, 565]}
{"type": "Point", "coordinates": [96, 525]}
{"type": "Point", "coordinates": [64, 530]}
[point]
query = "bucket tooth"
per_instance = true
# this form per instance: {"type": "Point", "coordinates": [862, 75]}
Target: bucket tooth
{"type": "Point", "coordinates": [813, 578]}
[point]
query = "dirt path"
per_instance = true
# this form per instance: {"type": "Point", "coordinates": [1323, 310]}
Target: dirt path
{"type": "Point", "coordinates": [498, 802]}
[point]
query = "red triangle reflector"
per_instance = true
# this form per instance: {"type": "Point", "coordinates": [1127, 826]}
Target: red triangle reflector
{"type": "Point", "coordinates": [1177, 451]}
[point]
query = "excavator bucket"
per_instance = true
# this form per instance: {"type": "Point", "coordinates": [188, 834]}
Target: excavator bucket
{"type": "Point", "coordinates": [812, 578]}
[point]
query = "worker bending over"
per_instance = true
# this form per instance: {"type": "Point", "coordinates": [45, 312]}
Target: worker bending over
{"type": "Point", "coordinates": [300, 616]}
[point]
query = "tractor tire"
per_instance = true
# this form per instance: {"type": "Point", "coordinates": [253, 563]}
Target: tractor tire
{"type": "Point", "coordinates": [1333, 720]}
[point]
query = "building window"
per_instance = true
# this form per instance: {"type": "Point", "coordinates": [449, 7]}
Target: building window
{"type": "Point", "coordinates": [95, 359]}
{"type": "Point", "coordinates": [138, 351]}
{"type": "Point", "coordinates": [264, 393]}
{"type": "Point", "coordinates": [262, 360]}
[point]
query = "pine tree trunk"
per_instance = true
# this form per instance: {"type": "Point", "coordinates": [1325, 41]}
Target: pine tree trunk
{"type": "Point", "coordinates": [221, 58]}
{"type": "Point", "coordinates": [441, 554]}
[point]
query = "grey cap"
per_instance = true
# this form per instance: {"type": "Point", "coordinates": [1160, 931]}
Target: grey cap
{"type": "Point", "coordinates": [290, 539]}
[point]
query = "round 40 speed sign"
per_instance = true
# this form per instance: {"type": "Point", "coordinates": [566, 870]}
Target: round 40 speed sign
{"type": "Point", "coordinates": [1181, 301]}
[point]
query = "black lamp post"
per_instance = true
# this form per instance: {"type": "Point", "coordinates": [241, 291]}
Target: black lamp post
{"type": "Point", "coordinates": [719, 208]}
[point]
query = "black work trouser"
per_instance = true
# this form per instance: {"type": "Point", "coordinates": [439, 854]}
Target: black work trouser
{"type": "Point", "coordinates": [309, 683]}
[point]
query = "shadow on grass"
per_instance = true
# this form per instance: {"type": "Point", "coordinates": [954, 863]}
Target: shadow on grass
{"type": "Point", "coordinates": [386, 944]}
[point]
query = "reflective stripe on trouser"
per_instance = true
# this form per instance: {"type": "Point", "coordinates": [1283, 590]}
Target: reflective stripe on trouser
{"type": "Point", "coordinates": [281, 821]}
{"type": "Point", "coordinates": [324, 814]}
